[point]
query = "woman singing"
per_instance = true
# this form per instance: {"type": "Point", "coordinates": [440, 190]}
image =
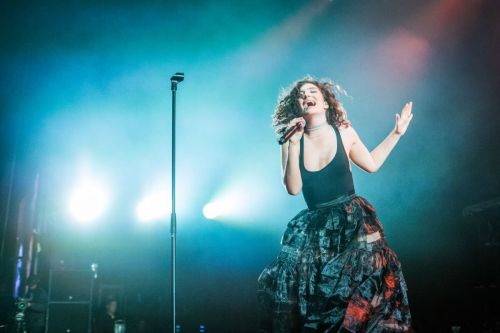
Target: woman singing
{"type": "Point", "coordinates": [335, 271]}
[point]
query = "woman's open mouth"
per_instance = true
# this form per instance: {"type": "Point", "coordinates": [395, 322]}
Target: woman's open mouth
{"type": "Point", "coordinates": [309, 103]}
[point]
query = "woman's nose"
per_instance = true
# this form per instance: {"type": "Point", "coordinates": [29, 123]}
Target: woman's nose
{"type": "Point", "coordinates": [304, 95]}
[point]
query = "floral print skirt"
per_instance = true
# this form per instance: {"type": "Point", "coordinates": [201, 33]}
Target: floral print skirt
{"type": "Point", "coordinates": [334, 273]}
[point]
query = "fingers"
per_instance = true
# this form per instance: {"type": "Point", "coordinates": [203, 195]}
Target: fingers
{"type": "Point", "coordinates": [298, 134]}
{"type": "Point", "coordinates": [407, 109]}
{"type": "Point", "coordinates": [295, 121]}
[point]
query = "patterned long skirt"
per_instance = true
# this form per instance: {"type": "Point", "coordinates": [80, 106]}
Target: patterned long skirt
{"type": "Point", "coordinates": [334, 273]}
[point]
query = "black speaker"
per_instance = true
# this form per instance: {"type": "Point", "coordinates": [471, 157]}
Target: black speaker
{"type": "Point", "coordinates": [70, 286]}
{"type": "Point", "coordinates": [69, 318]}
{"type": "Point", "coordinates": [70, 301]}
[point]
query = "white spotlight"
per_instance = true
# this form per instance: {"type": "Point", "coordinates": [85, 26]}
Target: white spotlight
{"type": "Point", "coordinates": [212, 210]}
{"type": "Point", "coordinates": [153, 207]}
{"type": "Point", "coordinates": [88, 202]}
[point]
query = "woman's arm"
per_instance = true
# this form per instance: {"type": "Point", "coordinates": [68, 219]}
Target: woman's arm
{"type": "Point", "coordinates": [290, 167]}
{"type": "Point", "coordinates": [290, 153]}
{"type": "Point", "coordinates": [372, 161]}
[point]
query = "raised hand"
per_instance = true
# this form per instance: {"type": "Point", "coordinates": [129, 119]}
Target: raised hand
{"type": "Point", "coordinates": [295, 138]}
{"type": "Point", "coordinates": [403, 120]}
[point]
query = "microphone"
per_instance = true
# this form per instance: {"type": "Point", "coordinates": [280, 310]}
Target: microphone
{"type": "Point", "coordinates": [290, 132]}
{"type": "Point", "coordinates": [177, 77]}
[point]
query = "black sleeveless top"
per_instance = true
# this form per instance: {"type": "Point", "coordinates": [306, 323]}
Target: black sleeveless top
{"type": "Point", "coordinates": [329, 183]}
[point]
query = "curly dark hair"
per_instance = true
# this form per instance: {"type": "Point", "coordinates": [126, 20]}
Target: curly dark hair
{"type": "Point", "coordinates": [288, 106]}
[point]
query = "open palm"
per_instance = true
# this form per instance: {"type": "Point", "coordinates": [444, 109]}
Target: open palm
{"type": "Point", "coordinates": [403, 120]}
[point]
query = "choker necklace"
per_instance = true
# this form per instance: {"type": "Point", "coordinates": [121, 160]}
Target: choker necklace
{"type": "Point", "coordinates": [315, 128]}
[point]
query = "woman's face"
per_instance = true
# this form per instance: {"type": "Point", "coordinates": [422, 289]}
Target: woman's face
{"type": "Point", "coordinates": [311, 99]}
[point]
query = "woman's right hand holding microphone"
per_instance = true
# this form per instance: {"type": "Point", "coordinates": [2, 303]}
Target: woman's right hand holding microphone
{"type": "Point", "coordinates": [295, 138]}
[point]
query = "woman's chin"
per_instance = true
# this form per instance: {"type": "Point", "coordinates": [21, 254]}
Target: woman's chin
{"type": "Point", "coordinates": [313, 112]}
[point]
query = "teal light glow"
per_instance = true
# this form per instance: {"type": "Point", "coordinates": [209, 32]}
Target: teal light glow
{"type": "Point", "coordinates": [89, 80]}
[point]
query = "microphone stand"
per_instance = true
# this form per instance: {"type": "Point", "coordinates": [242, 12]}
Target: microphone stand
{"type": "Point", "coordinates": [175, 79]}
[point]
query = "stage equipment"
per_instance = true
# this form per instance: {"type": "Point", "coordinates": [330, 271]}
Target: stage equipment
{"type": "Point", "coordinates": [484, 219]}
{"type": "Point", "coordinates": [175, 79]}
{"type": "Point", "coordinates": [70, 301]}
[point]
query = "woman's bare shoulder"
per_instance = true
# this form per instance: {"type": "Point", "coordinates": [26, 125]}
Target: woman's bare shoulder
{"type": "Point", "coordinates": [346, 129]}
{"type": "Point", "coordinates": [348, 134]}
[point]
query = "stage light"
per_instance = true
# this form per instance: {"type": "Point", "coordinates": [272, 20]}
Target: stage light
{"type": "Point", "coordinates": [212, 210]}
{"type": "Point", "coordinates": [223, 207]}
{"type": "Point", "coordinates": [88, 202]}
{"type": "Point", "coordinates": [241, 200]}
{"type": "Point", "coordinates": [155, 206]}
